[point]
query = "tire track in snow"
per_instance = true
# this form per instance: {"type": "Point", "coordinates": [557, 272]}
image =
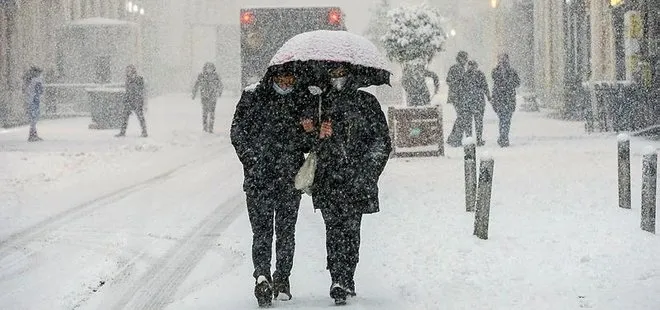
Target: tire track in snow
{"type": "Point", "coordinates": [156, 288]}
{"type": "Point", "coordinates": [18, 240]}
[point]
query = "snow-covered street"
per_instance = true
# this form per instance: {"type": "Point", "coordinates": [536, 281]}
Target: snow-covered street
{"type": "Point", "coordinates": [90, 221]}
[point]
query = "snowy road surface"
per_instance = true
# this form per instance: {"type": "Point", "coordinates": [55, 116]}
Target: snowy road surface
{"type": "Point", "coordinates": [89, 221]}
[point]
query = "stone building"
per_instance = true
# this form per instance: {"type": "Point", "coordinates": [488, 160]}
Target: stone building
{"type": "Point", "coordinates": [28, 36]}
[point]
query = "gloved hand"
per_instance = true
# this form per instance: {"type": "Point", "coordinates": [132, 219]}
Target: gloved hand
{"type": "Point", "coordinates": [315, 90]}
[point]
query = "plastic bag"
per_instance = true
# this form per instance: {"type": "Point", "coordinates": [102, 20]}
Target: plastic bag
{"type": "Point", "coordinates": [305, 176]}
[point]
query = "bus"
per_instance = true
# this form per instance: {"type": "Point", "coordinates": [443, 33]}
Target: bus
{"type": "Point", "coordinates": [264, 30]}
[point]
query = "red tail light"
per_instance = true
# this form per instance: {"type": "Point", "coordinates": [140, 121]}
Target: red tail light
{"type": "Point", "coordinates": [247, 17]}
{"type": "Point", "coordinates": [334, 17]}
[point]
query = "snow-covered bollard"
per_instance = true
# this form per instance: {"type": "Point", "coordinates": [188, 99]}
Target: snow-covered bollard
{"type": "Point", "coordinates": [470, 166]}
{"type": "Point", "coordinates": [623, 142]}
{"type": "Point", "coordinates": [482, 214]}
{"type": "Point", "coordinates": [649, 184]}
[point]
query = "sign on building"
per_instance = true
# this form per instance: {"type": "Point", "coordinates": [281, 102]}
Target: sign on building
{"type": "Point", "coordinates": [416, 131]}
{"type": "Point", "coordinates": [634, 31]}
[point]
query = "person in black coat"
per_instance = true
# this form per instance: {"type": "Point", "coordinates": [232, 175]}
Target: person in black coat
{"type": "Point", "coordinates": [210, 87]}
{"type": "Point", "coordinates": [352, 146]}
{"type": "Point", "coordinates": [133, 100]}
{"type": "Point", "coordinates": [505, 82]}
{"type": "Point", "coordinates": [456, 96]}
{"type": "Point", "coordinates": [475, 98]}
{"type": "Point", "coordinates": [269, 141]}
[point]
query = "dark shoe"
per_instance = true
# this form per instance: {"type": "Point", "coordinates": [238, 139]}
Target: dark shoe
{"type": "Point", "coordinates": [34, 139]}
{"type": "Point", "coordinates": [503, 143]}
{"type": "Point", "coordinates": [119, 135]}
{"type": "Point", "coordinates": [338, 293]}
{"type": "Point", "coordinates": [481, 143]}
{"type": "Point", "coordinates": [350, 289]}
{"type": "Point", "coordinates": [281, 286]}
{"type": "Point", "coordinates": [263, 292]}
{"type": "Point", "coordinates": [144, 135]}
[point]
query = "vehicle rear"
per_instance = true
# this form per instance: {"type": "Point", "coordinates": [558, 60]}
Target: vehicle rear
{"type": "Point", "coordinates": [265, 30]}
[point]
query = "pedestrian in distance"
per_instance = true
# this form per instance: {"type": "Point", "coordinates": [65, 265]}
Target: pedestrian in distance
{"type": "Point", "coordinates": [210, 87]}
{"type": "Point", "coordinates": [33, 88]}
{"type": "Point", "coordinates": [475, 97]}
{"type": "Point", "coordinates": [505, 82]}
{"type": "Point", "coordinates": [134, 98]}
{"type": "Point", "coordinates": [456, 96]}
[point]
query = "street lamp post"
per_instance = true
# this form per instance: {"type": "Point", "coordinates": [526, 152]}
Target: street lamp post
{"type": "Point", "coordinates": [497, 29]}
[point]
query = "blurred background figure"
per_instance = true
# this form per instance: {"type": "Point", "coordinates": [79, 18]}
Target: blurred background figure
{"type": "Point", "coordinates": [210, 87]}
{"type": "Point", "coordinates": [133, 100]}
{"type": "Point", "coordinates": [33, 87]}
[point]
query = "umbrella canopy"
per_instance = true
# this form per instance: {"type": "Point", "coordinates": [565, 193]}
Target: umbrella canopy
{"type": "Point", "coordinates": [328, 46]}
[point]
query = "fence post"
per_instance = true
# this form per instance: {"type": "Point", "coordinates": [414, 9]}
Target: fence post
{"type": "Point", "coordinates": [624, 170]}
{"type": "Point", "coordinates": [649, 183]}
{"type": "Point", "coordinates": [470, 165]}
{"type": "Point", "coordinates": [482, 214]}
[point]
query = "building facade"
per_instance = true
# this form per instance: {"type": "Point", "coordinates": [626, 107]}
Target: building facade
{"type": "Point", "coordinates": [583, 41]}
{"type": "Point", "coordinates": [28, 36]}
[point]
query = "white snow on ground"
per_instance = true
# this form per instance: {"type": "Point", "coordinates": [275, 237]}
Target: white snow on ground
{"type": "Point", "coordinates": [557, 237]}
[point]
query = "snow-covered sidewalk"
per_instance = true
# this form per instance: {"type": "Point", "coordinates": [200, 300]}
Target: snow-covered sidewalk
{"type": "Point", "coordinates": [181, 240]}
{"type": "Point", "coordinates": [557, 237]}
{"type": "Point", "coordinates": [75, 164]}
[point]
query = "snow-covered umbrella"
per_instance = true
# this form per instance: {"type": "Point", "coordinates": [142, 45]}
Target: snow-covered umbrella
{"type": "Point", "coordinates": [321, 46]}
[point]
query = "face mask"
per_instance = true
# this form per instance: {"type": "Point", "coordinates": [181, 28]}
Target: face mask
{"type": "Point", "coordinates": [282, 91]}
{"type": "Point", "coordinates": [338, 83]}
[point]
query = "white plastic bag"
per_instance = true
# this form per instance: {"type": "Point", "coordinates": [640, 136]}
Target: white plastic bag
{"type": "Point", "coordinates": [305, 176]}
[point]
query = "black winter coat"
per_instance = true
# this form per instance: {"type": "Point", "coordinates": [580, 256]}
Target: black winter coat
{"type": "Point", "coordinates": [456, 84]}
{"type": "Point", "coordinates": [209, 85]}
{"type": "Point", "coordinates": [476, 89]}
{"type": "Point", "coordinates": [505, 82]}
{"type": "Point", "coordinates": [268, 139]}
{"type": "Point", "coordinates": [134, 95]}
{"type": "Point", "coordinates": [351, 161]}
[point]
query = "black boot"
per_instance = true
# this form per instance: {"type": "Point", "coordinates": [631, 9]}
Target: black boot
{"type": "Point", "coordinates": [350, 288]}
{"type": "Point", "coordinates": [263, 292]}
{"type": "Point", "coordinates": [281, 285]}
{"type": "Point", "coordinates": [338, 293]}
{"type": "Point", "coordinates": [33, 137]}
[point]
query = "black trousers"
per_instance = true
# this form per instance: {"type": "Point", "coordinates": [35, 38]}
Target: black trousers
{"type": "Point", "coordinates": [461, 126]}
{"type": "Point", "coordinates": [342, 241]}
{"type": "Point", "coordinates": [208, 113]}
{"type": "Point", "coordinates": [505, 126]}
{"type": "Point", "coordinates": [268, 213]}
{"type": "Point", "coordinates": [477, 116]}
{"type": "Point", "coordinates": [139, 112]}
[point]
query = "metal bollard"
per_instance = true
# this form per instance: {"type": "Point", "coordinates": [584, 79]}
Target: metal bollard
{"type": "Point", "coordinates": [470, 165]}
{"type": "Point", "coordinates": [649, 185]}
{"type": "Point", "coordinates": [482, 214]}
{"type": "Point", "coordinates": [624, 170]}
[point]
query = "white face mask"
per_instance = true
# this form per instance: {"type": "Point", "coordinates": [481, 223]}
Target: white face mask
{"type": "Point", "coordinates": [282, 91]}
{"type": "Point", "coordinates": [338, 83]}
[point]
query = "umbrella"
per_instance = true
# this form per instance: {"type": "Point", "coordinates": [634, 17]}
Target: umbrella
{"type": "Point", "coordinates": [320, 47]}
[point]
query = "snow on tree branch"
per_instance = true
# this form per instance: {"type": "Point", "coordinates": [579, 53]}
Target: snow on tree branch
{"type": "Point", "coordinates": [415, 32]}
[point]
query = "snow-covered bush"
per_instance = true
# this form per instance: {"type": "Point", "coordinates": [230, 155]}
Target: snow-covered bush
{"type": "Point", "coordinates": [414, 32]}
